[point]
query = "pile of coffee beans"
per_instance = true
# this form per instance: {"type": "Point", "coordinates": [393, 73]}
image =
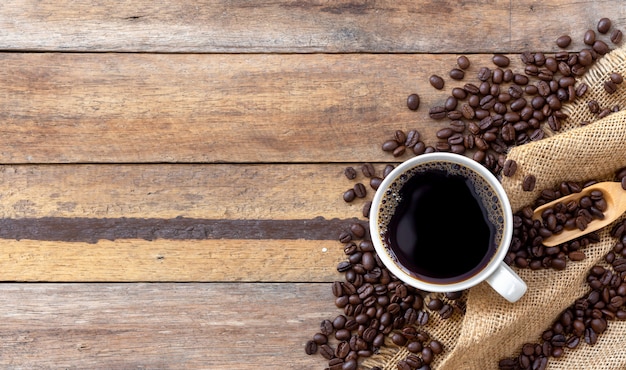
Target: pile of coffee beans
{"type": "Point", "coordinates": [375, 305]}
{"type": "Point", "coordinates": [526, 249]}
{"type": "Point", "coordinates": [503, 108]}
{"type": "Point", "coordinates": [573, 214]}
{"type": "Point", "coordinates": [588, 317]}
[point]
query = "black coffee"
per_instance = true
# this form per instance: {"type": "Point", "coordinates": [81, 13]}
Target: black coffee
{"type": "Point", "coordinates": [440, 231]}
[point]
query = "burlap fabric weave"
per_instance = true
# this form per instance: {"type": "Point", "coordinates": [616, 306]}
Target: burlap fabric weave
{"type": "Point", "coordinates": [492, 328]}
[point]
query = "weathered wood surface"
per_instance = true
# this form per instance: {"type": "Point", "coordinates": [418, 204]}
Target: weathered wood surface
{"type": "Point", "coordinates": [297, 26]}
{"type": "Point", "coordinates": [160, 326]}
{"type": "Point", "coordinates": [225, 258]}
{"type": "Point", "coordinates": [60, 108]}
{"type": "Point", "coordinates": [217, 222]}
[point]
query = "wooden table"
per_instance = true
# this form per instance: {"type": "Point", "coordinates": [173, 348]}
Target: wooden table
{"type": "Point", "coordinates": [172, 172]}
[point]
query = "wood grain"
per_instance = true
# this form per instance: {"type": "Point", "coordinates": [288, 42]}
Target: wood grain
{"type": "Point", "coordinates": [121, 108]}
{"type": "Point", "coordinates": [282, 220]}
{"type": "Point", "coordinates": [298, 26]}
{"type": "Point", "coordinates": [161, 326]}
{"type": "Point", "coordinates": [203, 191]}
{"type": "Point", "coordinates": [132, 260]}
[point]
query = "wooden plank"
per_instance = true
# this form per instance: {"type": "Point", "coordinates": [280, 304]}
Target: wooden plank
{"type": "Point", "coordinates": [167, 191]}
{"type": "Point", "coordinates": [302, 26]}
{"type": "Point", "coordinates": [68, 108]}
{"type": "Point", "coordinates": [174, 222]}
{"type": "Point", "coordinates": [236, 26]}
{"type": "Point", "coordinates": [191, 326]}
{"type": "Point", "coordinates": [130, 260]}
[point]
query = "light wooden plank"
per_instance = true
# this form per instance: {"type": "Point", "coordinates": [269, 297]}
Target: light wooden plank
{"type": "Point", "coordinates": [160, 326]}
{"type": "Point", "coordinates": [67, 108]}
{"type": "Point", "coordinates": [297, 26]}
{"type": "Point", "coordinates": [132, 260]}
{"type": "Point", "coordinates": [167, 191]}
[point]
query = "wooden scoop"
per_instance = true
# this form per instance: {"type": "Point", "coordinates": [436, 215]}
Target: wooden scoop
{"type": "Point", "coordinates": [615, 197]}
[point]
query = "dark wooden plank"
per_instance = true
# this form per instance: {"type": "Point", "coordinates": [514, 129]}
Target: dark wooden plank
{"type": "Point", "coordinates": [191, 326]}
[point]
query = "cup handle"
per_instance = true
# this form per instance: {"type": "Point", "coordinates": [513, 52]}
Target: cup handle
{"type": "Point", "coordinates": [507, 283]}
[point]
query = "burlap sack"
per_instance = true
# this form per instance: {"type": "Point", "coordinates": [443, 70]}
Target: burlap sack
{"type": "Point", "coordinates": [491, 328]}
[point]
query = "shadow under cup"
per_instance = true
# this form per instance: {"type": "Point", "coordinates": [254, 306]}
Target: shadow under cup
{"type": "Point", "coordinates": [441, 222]}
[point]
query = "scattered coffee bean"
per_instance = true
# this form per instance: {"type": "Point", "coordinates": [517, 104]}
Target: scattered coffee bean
{"type": "Point", "coordinates": [616, 78]}
{"type": "Point", "coordinates": [510, 166]}
{"type": "Point", "coordinates": [457, 74]}
{"type": "Point", "coordinates": [413, 101]}
{"type": "Point", "coordinates": [590, 37]}
{"type": "Point", "coordinates": [528, 184]}
{"type": "Point", "coordinates": [604, 25]}
{"type": "Point", "coordinates": [359, 190]}
{"type": "Point", "coordinates": [563, 41]}
{"type": "Point", "coordinates": [436, 82]}
{"type": "Point", "coordinates": [501, 60]}
{"type": "Point", "coordinates": [437, 112]}
{"type": "Point", "coordinates": [600, 47]}
{"type": "Point", "coordinates": [610, 87]}
{"type": "Point", "coordinates": [350, 173]}
{"type": "Point", "coordinates": [349, 195]}
{"type": "Point", "coordinates": [368, 170]}
{"type": "Point", "coordinates": [616, 37]}
{"type": "Point", "coordinates": [463, 62]}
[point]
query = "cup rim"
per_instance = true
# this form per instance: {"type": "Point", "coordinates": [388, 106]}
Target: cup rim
{"type": "Point", "coordinates": [495, 261]}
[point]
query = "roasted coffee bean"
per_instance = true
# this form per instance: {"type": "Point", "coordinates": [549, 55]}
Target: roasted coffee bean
{"type": "Point", "coordinates": [337, 289]}
{"type": "Point", "coordinates": [413, 101]}
{"type": "Point", "coordinates": [457, 74]}
{"type": "Point", "coordinates": [520, 79]}
{"type": "Point", "coordinates": [527, 57]}
{"type": "Point", "coordinates": [471, 89]}
{"type": "Point", "coordinates": [368, 169]}
{"type": "Point", "coordinates": [510, 166]}
{"type": "Point", "coordinates": [590, 37]}
{"type": "Point", "coordinates": [437, 112]}
{"type": "Point", "coordinates": [359, 190]}
{"type": "Point", "coordinates": [310, 347]}
{"type": "Point", "coordinates": [326, 327]}
{"type": "Point", "coordinates": [459, 93]}
{"type": "Point", "coordinates": [484, 74]}
{"type": "Point", "coordinates": [350, 173]}
{"type": "Point", "coordinates": [563, 41]}
{"type": "Point", "coordinates": [419, 148]}
{"type": "Point", "coordinates": [390, 145]}
{"type": "Point", "coordinates": [540, 58]}
{"type": "Point", "coordinates": [616, 78]}
{"type": "Point", "coordinates": [581, 89]}
{"type": "Point", "coordinates": [348, 195]}
{"type": "Point", "coordinates": [501, 60]}
{"type": "Point", "coordinates": [451, 104]}
{"type": "Point", "coordinates": [616, 36]}
{"type": "Point", "coordinates": [585, 58]}
{"type": "Point", "coordinates": [600, 47]}
{"type": "Point", "coordinates": [604, 112]}
{"type": "Point", "coordinates": [610, 87]}
{"type": "Point", "coordinates": [436, 82]}
{"type": "Point", "coordinates": [593, 106]}
{"type": "Point", "coordinates": [463, 62]}
{"type": "Point", "coordinates": [427, 355]}
{"type": "Point", "coordinates": [412, 138]}
{"type": "Point", "coordinates": [467, 111]}
{"type": "Point", "coordinates": [528, 184]}
{"type": "Point", "coordinates": [531, 70]}
{"type": "Point", "coordinates": [604, 25]}
{"type": "Point", "coordinates": [446, 311]}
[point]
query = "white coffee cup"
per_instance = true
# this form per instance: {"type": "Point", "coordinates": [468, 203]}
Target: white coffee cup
{"type": "Point", "coordinates": [490, 193]}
